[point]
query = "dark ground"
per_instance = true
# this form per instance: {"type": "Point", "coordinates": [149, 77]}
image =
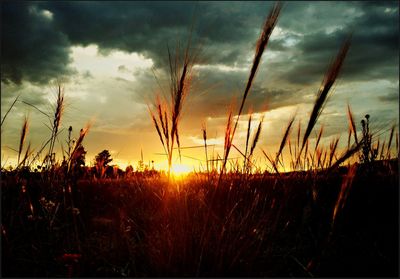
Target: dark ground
{"type": "Point", "coordinates": [263, 226]}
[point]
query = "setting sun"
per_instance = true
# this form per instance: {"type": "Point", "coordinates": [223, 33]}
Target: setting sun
{"type": "Point", "coordinates": [180, 169]}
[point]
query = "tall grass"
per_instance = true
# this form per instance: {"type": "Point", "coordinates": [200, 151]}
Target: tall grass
{"type": "Point", "coordinates": [352, 125]}
{"type": "Point", "coordinates": [227, 139]}
{"type": "Point", "coordinates": [167, 115]}
{"type": "Point", "coordinates": [24, 132]}
{"type": "Point", "coordinates": [247, 139]}
{"type": "Point", "coordinates": [388, 154]}
{"type": "Point", "coordinates": [55, 125]}
{"type": "Point", "coordinates": [321, 130]}
{"type": "Point", "coordinates": [262, 42]}
{"type": "Point", "coordinates": [284, 140]}
{"type": "Point", "coordinates": [248, 163]}
{"type": "Point", "coordinates": [322, 96]}
{"type": "Point", "coordinates": [76, 150]}
{"type": "Point", "coordinates": [344, 192]}
{"type": "Point", "coordinates": [8, 111]}
{"type": "Point", "coordinates": [204, 132]}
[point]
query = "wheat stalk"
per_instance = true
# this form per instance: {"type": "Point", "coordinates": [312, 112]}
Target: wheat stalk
{"type": "Point", "coordinates": [390, 142]}
{"type": "Point", "coordinates": [260, 47]}
{"type": "Point", "coordinates": [323, 91]}
{"type": "Point", "coordinates": [24, 132]}
{"type": "Point", "coordinates": [8, 111]}
{"type": "Point", "coordinates": [351, 123]}
{"type": "Point", "coordinates": [284, 139]}
{"type": "Point", "coordinates": [247, 140]}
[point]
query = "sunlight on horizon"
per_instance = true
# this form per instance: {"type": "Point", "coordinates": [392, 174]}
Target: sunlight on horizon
{"type": "Point", "coordinates": [180, 169]}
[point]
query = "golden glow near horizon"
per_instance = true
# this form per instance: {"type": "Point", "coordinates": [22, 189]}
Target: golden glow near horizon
{"type": "Point", "coordinates": [194, 159]}
{"type": "Point", "coordinates": [178, 169]}
{"type": "Point", "coordinates": [181, 169]}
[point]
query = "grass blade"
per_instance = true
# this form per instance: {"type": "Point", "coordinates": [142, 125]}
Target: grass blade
{"type": "Point", "coordinates": [8, 111]}
{"type": "Point", "coordinates": [284, 139]}
{"type": "Point", "coordinates": [324, 89]}
{"type": "Point", "coordinates": [262, 42]}
{"type": "Point", "coordinates": [24, 131]}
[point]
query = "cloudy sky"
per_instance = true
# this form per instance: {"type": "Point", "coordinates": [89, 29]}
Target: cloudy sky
{"type": "Point", "coordinates": [106, 55]}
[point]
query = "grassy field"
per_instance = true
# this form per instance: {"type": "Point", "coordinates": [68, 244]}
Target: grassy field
{"type": "Point", "coordinates": [259, 225]}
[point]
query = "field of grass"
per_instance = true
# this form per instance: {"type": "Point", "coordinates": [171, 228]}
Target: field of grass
{"type": "Point", "coordinates": [334, 214]}
{"type": "Point", "coordinates": [259, 225]}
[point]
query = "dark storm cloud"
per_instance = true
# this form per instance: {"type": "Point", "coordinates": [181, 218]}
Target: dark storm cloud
{"type": "Point", "coordinates": [36, 48]}
{"type": "Point", "coordinates": [148, 27]}
{"type": "Point", "coordinates": [373, 53]}
{"type": "Point", "coordinates": [31, 48]}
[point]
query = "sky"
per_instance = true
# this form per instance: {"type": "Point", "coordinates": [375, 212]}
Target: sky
{"type": "Point", "coordinates": [112, 60]}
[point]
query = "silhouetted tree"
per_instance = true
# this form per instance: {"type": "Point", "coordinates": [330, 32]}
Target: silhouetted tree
{"type": "Point", "coordinates": [103, 158]}
{"type": "Point", "coordinates": [101, 162]}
